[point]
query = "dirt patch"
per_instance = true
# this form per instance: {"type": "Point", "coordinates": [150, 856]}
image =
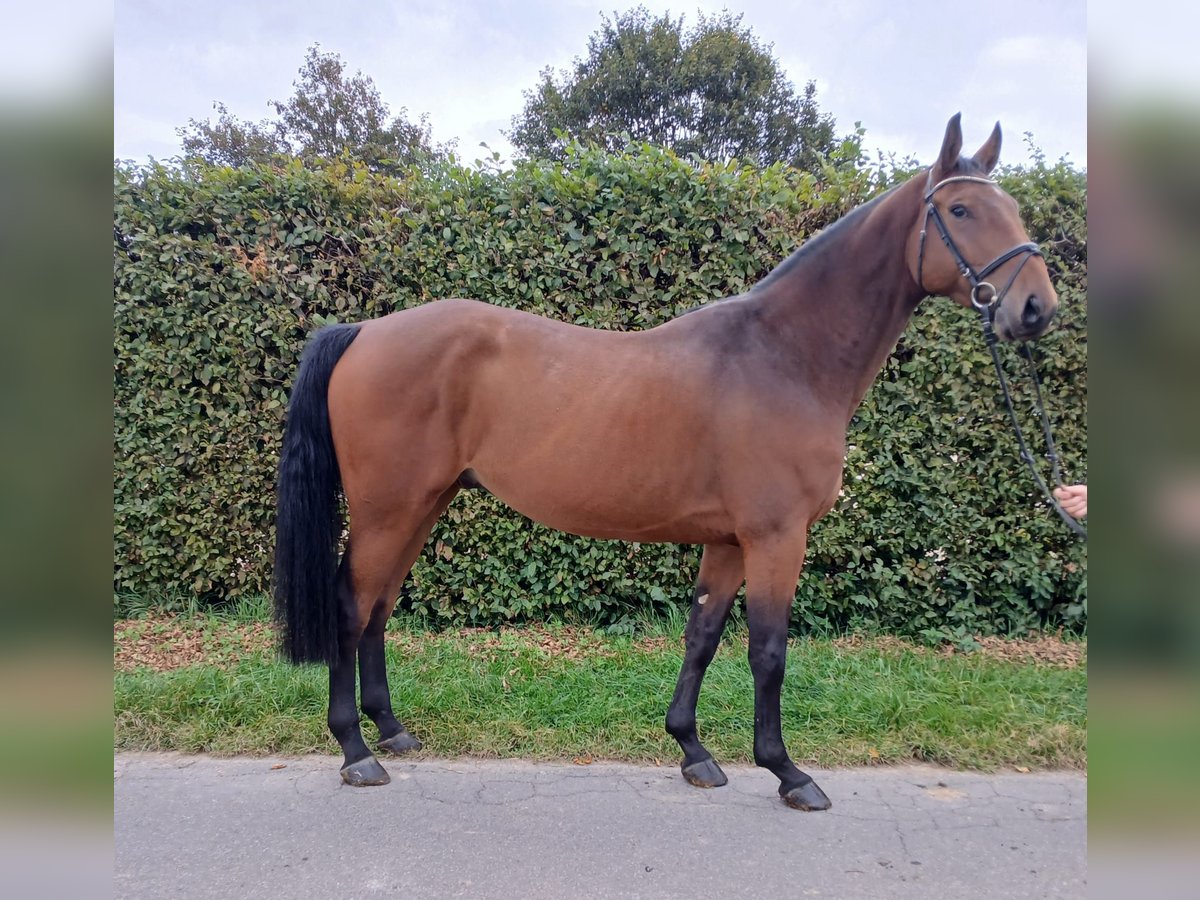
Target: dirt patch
{"type": "Point", "coordinates": [164, 643]}
{"type": "Point", "coordinates": [567, 642]}
{"type": "Point", "coordinates": [1044, 650]}
{"type": "Point", "coordinates": [558, 643]}
{"type": "Point", "coordinates": [654, 644]}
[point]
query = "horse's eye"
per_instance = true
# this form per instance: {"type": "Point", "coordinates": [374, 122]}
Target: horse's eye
{"type": "Point", "coordinates": [958, 211]}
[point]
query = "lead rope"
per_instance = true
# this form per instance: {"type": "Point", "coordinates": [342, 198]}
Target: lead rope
{"type": "Point", "coordinates": [989, 338]}
{"type": "Point", "coordinates": [1051, 450]}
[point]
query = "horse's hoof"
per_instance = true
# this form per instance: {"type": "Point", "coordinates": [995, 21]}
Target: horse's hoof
{"type": "Point", "coordinates": [365, 773]}
{"type": "Point", "coordinates": [705, 774]}
{"type": "Point", "coordinates": [807, 797]}
{"type": "Point", "coordinates": [400, 743]}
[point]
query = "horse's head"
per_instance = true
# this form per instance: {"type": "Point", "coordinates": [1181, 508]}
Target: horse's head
{"type": "Point", "coordinates": [969, 244]}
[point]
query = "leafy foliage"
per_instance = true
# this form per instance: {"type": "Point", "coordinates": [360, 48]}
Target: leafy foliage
{"type": "Point", "coordinates": [714, 91]}
{"type": "Point", "coordinates": [329, 114]}
{"type": "Point", "coordinates": [221, 274]}
{"type": "Point", "coordinates": [230, 141]}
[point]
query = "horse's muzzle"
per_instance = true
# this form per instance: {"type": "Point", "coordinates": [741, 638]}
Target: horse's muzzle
{"type": "Point", "coordinates": [1034, 318]}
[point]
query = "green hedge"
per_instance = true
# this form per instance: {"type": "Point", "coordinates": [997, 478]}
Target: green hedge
{"type": "Point", "coordinates": [220, 275]}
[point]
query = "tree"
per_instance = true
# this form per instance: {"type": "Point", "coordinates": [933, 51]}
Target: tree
{"type": "Point", "coordinates": [713, 90]}
{"type": "Point", "coordinates": [230, 142]}
{"type": "Point", "coordinates": [329, 114]}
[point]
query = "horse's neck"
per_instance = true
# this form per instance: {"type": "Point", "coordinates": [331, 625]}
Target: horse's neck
{"type": "Point", "coordinates": [838, 311]}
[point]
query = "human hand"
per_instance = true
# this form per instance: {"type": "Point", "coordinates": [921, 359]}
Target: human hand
{"type": "Point", "coordinates": [1073, 499]}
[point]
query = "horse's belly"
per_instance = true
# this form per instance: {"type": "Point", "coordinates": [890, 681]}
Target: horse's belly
{"type": "Point", "coordinates": [629, 506]}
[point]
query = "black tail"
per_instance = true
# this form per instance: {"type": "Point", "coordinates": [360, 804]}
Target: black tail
{"type": "Point", "coordinates": [308, 521]}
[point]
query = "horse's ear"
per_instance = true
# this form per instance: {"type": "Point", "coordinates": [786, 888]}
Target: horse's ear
{"type": "Point", "coordinates": [989, 154]}
{"type": "Point", "coordinates": [951, 145]}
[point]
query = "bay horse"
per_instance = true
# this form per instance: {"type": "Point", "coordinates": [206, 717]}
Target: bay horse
{"type": "Point", "coordinates": [725, 426]}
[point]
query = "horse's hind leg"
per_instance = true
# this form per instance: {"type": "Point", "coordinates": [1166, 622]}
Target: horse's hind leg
{"type": "Point", "coordinates": [376, 698]}
{"type": "Point", "coordinates": [368, 580]}
{"type": "Point", "coordinates": [360, 767]}
{"type": "Point", "coordinates": [721, 573]}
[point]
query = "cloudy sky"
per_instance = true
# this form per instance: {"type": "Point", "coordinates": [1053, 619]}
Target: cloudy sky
{"type": "Point", "coordinates": [902, 69]}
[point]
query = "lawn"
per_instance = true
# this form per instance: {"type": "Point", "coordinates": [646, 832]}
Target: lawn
{"type": "Point", "coordinates": [211, 683]}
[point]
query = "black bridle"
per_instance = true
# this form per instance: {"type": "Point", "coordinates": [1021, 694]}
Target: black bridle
{"type": "Point", "coordinates": [984, 295]}
{"type": "Point", "coordinates": [985, 298]}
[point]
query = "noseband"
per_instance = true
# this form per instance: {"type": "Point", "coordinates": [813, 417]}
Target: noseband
{"type": "Point", "coordinates": [984, 295]}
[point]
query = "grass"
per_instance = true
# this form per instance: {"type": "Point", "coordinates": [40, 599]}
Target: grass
{"type": "Point", "coordinates": [575, 693]}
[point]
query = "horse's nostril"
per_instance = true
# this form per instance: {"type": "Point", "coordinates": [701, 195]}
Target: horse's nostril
{"type": "Point", "coordinates": [1032, 312]}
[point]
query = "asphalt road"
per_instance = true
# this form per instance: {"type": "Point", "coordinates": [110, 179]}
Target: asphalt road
{"type": "Point", "coordinates": [194, 826]}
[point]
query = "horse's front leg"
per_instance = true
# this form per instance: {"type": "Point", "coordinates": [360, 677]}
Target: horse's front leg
{"type": "Point", "coordinates": [720, 577]}
{"type": "Point", "coordinates": [772, 569]}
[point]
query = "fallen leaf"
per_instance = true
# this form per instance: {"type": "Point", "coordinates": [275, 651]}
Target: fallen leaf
{"type": "Point", "coordinates": [279, 766]}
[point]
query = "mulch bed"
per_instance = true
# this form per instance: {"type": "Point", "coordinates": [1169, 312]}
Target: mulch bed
{"type": "Point", "coordinates": [164, 643]}
{"type": "Point", "coordinates": [1044, 650]}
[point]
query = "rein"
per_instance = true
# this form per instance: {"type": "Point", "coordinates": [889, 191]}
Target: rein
{"type": "Point", "coordinates": [989, 337]}
{"type": "Point", "coordinates": [985, 298]}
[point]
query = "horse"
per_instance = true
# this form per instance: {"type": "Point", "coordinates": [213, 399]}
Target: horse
{"type": "Point", "coordinates": [725, 426]}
